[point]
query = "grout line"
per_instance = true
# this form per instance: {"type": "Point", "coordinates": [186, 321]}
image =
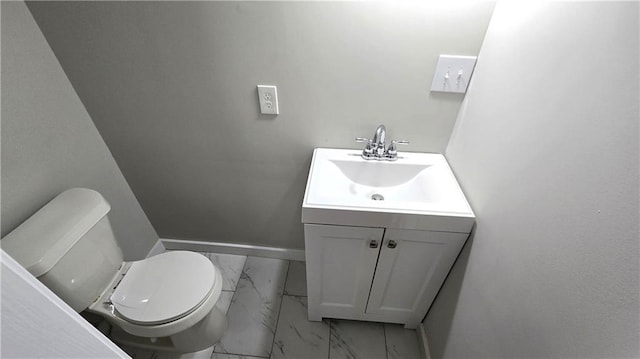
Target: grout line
{"type": "Point", "coordinates": [329, 352]}
{"type": "Point", "coordinates": [384, 333]}
{"type": "Point", "coordinates": [286, 277]}
{"type": "Point", "coordinates": [231, 302]}
{"type": "Point", "coordinates": [239, 355]}
{"type": "Point", "coordinates": [423, 342]}
{"type": "Point", "coordinates": [293, 295]}
{"type": "Point", "coordinates": [273, 342]}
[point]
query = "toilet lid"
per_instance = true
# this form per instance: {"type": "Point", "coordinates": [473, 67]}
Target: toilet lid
{"type": "Point", "coordinates": [164, 288]}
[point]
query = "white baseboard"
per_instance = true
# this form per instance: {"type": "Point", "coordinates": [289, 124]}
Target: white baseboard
{"type": "Point", "coordinates": [227, 248]}
{"type": "Point", "coordinates": [156, 249]}
{"type": "Point", "coordinates": [422, 341]}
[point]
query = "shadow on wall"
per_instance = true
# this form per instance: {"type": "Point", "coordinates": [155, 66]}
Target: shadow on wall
{"type": "Point", "coordinates": [447, 301]}
{"type": "Point", "coordinates": [289, 209]}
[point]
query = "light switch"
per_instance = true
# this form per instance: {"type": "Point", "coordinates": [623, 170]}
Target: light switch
{"type": "Point", "coordinates": [453, 73]}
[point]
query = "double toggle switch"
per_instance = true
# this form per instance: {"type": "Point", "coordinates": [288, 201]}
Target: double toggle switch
{"type": "Point", "coordinates": [453, 73]}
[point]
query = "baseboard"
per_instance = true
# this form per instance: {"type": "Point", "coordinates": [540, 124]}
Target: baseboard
{"type": "Point", "coordinates": [422, 341]}
{"type": "Point", "coordinates": [227, 248]}
{"type": "Point", "coordinates": [156, 249]}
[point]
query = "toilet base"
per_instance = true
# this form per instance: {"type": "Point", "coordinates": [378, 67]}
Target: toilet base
{"type": "Point", "coordinates": [201, 335]}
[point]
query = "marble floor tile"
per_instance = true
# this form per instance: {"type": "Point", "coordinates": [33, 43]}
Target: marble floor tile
{"type": "Point", "coordinates": [138, 353]}
{"type": "Point", "coordinates": [257, 305]}
{"type": "Point", "coordinates": [232, 356]}
{"type": "Point", "coordinates": [224, 301]}
{"type": "Point", "coordinates": [230, 266]}
{"type": "Point", "coordinates": [202, 354]}
{"type": "Point", "coordinates": [296, 279]}
{"type": "Point", "coordinates": [357, 340]}
{"type": "Point", "coordinates": [296, 336]}
{"type": "Point", "coordinates": [401, 343]}
{"type": "Point", "coordinates": [253, 314]}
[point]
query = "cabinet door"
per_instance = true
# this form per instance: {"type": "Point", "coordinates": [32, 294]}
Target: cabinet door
{"type": "Point", "coordinates": [340, 265]}
{"type": "Point", "coordinates": [411, 271]}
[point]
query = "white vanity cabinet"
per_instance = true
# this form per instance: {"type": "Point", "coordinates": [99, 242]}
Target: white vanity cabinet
{"type": "Point", "coordinates": [380, 236]}
{"type": "Point", "coordinates": [376, 274]}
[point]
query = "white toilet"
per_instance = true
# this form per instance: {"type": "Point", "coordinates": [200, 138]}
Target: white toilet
{"type": "Point", "coordinates": [166, 302]}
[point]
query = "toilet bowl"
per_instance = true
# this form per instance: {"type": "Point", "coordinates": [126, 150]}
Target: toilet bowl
{"type": "Point", "coordinates": [170, 295]}
{"type": "Point", "coordinates": [165, 302]}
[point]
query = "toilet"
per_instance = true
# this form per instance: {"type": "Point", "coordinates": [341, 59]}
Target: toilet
{"type": "Point", "coordinates": [165, 302]}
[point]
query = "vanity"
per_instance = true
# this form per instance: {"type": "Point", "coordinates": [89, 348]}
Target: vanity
{"type": "Point", "coordinates": [380, 235]}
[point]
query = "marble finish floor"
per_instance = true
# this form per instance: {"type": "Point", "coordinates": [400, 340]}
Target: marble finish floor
{"type": "Point", "coordinates": [266, 304]}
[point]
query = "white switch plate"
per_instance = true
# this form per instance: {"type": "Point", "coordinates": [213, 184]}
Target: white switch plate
{"type": "Point", "coordinates": [453, 73]}
{"type": "Point", "coordinates": [268, 98]}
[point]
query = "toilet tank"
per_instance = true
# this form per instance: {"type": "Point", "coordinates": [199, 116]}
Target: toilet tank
{"type": "Point", "coordinates": [69, 246]}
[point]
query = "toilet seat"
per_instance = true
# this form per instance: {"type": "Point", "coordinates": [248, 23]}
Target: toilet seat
{"type": "Point", "coordinates": [164, 288]}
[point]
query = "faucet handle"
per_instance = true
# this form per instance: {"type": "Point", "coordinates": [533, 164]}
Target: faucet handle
{"type": "Point", "coordinates": [392, 151]}
{"type": "Point", "coordinates": [392, 146]}
{"type": "Point", "coordinates": [367, 151]}
{"type": "Point", "coordinates": [362, 139]}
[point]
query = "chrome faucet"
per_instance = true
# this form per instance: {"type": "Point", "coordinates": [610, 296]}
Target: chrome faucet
{"type": "Point", "coordinates": [378, 140]}
{"type": "Point", "coordinates": [375, 148]}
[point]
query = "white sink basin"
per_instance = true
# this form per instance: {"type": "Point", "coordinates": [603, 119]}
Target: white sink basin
{"type": "Point", "coordinates": [418, 191]}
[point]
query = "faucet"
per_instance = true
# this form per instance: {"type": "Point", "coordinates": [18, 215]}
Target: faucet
{"type": "Point", "coordinates": [378, 140]}
{"type": "Point", "coordinates": [375, 148]}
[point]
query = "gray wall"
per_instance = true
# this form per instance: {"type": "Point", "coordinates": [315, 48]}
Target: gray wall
{"type": "Point", "coordinates": [49, 143]}
{"type": "Point", "coordinates": [171, 87]}
{"type": "Point", "coordinates": [546, 149]}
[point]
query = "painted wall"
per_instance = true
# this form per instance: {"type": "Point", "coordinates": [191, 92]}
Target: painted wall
{"type": "Point", "coordinates": [49, 143]}
{"type": "Point", "coordinates": [172, 88]}
{"type": "Point", "coordinates": [37, 324]}
{"type": "Point", "coordinates": [546, 149]}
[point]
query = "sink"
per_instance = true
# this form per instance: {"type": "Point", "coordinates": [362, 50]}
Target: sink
{"type": "Point", "coordinates": [417, 191]}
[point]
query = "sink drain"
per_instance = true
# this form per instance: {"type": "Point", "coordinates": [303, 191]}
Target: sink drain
{"type": "Point", "coordinates": [377, 197]}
